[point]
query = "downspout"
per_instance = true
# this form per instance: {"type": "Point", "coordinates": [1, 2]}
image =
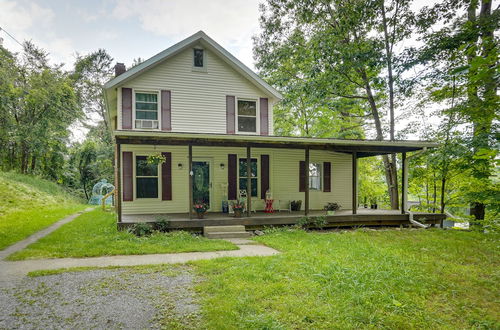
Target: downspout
{"type": "Point", "coordinates": [405, 182]}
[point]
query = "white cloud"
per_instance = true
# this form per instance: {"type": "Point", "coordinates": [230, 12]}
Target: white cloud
{"type": "Point", "coordinates": [231, 23]}
{"type": "Point", "coordinates": [30, 21]}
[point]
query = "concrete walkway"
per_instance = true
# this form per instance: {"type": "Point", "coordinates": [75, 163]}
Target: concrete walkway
{"type": "Point", "coordinates": [14, 270]}
{"type": "Point", "coordinates": [11, 270]}
{"type": "Point", "coordinates": [39, 234]}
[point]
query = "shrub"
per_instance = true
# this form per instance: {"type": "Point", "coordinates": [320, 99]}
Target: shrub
{"type": "Point", "coordinates": [162, 224]}
{"type": "Point", "coordinates": [141, 229]}
{"type": "Point", "coordinates": [308, 222]}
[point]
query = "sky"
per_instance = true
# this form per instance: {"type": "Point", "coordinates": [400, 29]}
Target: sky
{"type": "Point", "coordinates": [127, 29]}
{"type": "Point", "coordinates": [130, 29]}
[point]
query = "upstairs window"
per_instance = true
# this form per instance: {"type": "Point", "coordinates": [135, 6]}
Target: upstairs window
{"type": "Point", "coordinates": [247, 116]}
{"type": "Point", "coordinates": [146, 110]}
{"type": "Point", "coordinates": [243, 177]}
{"type": "Point", "coordinates": [198, 58]}
{"type": "Point", "coordinates": [314, 176]}
{"type": "Point", "coordinates": [146, 176]}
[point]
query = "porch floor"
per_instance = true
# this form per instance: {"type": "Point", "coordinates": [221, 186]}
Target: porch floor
{"type": "Point", "coordinates": [364, 216]}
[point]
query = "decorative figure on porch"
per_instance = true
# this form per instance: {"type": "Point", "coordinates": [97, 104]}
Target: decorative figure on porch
{"type": "Point", "coordinates": [269, 202]}
{"type": "Point", "coordinates": [100, 189]}
{"type": "Point", "coordinates": [243, 198]}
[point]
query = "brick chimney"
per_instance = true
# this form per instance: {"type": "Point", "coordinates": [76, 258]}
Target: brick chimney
{"type": "Point", "coordinates": [119, 69]}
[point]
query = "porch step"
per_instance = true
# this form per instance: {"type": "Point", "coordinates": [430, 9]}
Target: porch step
{"type": "Point", "coordinates": [228, 234]}
{"type": "Point", "coordinates": [225, 232]}
{"type": "Point", "coordinates": [233, 228]}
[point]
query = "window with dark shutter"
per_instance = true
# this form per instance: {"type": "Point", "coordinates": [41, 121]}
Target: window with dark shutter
{"type": "Point", "coordinates": [146, 178]}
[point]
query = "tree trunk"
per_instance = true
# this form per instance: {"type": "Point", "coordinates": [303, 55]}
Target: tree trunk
{"type": "Point", "coordinates": [483, 110]}
{"type": "Point", "coordinates": [434, 194]}
{"type": "Point", "coordinates": [33, 164]}
{"type": "Point", "coordinates": [391, 177]}
{"type": "Point", "coordinates": [443, 189]}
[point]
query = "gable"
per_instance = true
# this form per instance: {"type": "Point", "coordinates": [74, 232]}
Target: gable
{"type": "Point", "coordinates": [198, 98]}
{"type": "Point", "coordinates": [206, 42]}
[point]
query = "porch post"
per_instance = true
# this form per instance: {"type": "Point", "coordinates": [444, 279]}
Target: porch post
{"type": "Point", "coordinates": [354, 182]}
{"type": "Point", "coordinates": [404, 185]}
{"type": "Point", "coordinates": [249, 182]}
{"type": "Point", "coordinates": [190, 174]}
{"type": "Point", "coordinates": [118, 181]}
{"type": "Point", "coordinates": [306, 192]}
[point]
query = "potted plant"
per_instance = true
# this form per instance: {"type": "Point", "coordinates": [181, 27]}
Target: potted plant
{"type": "Point", "coordinates": [238, 208]}
{"type": "Point", "coordinates": [295, 205]}
{"type": "Point", "coordinates": [331, 208]}
{"type": "Point", "coordinates": [200, 209]}
{"type": "Point", "coordinates": [156, 159]}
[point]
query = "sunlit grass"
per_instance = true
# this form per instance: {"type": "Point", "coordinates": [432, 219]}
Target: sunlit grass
{"type": "Point", "coordinates": [95, 234]}
{"type": "Point", "coordinates": [29, 204]}
{"type": "Point", "coordinates": [384, 279]}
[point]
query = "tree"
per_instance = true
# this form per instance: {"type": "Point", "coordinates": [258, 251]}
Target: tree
{"type": "Point", "coordinates": [38, 105]}
{"type": "Point", "coordinates": [339, 56]}
{"type": "Point", "coordinates": [461, 55]}
{"type": "Point", "coordinates": [90, 74]}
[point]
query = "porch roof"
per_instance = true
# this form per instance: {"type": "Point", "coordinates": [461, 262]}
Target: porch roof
{"type": "Point", "coordinates": [363, 148]}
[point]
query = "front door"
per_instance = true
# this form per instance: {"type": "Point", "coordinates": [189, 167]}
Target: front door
{"type": "Point", "coordinates": [201, 182]}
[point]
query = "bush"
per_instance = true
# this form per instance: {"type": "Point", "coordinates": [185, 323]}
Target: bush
{"type": "Point", "coordinates": [162, 224]}
{"type": "Point", "coordinates": [141, 229]}
{"type": "Point", "coordinates": [314, 222]}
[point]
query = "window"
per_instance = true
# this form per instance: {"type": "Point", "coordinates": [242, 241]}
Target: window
{"type": "Point", "coordinates": [146, 176]}
{"type": "Point", "coordinates": [314, 176]}
{"type": "Point", "coordinates": [146, 108]}
{"type": "Point", "coordinates": [244, 177]}
{"type": "Point", "coordinates": [247, 116]}
{"type": "Point", "coordinates": [198, 58]}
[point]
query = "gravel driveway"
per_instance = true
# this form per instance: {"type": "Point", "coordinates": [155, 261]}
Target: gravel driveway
{"type": "Point", "coordinates": [126, 298]}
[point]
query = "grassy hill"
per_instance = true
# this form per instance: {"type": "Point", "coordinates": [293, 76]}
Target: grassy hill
{"type": "Point", "coordinates": [28, 204]}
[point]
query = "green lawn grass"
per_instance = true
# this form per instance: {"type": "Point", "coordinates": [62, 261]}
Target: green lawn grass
{"type": "Point", "coordinates": [29, 204]}
{"type": "Point", "coordinates": [95, 234]}
{"type": "Point", "coordinates": [384, 279]}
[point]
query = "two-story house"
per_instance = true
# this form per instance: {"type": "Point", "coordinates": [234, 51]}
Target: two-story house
{"type": "Point", "coordinates": [211, 118]}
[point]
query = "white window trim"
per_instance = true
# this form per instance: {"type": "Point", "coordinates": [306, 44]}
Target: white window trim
{"type": "Point", "coordinates": [159, 176]}
{"type": "Point", "coordinates": [198, 68]}
{"type": "Point", "coordinates": [257, 177]}
{"type": "Point", "coordinates": [159, 108]}
{"type": "Point", "coordinates": [257, 115]}
{"type": "Point", "coordinates": [320, 177]}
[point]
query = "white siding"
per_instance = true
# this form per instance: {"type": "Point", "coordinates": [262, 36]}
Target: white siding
{"type": "Point", "coordinates": [284, 177]}
{"type": "Point", "coordinates": [198, 98]}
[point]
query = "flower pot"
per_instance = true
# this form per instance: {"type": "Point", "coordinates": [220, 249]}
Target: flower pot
{"type": "Point", "coordinates": [200, 215]}
{"type": "Point", "coordinates": [237, 213]}
{"type": "Point", "coordinates": [330, 212]}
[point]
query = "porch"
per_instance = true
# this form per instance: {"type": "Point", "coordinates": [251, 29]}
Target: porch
{"type": "Point", "coordinates": [259, 219]}
{"type": "Point", "coordinates": [299, 150]}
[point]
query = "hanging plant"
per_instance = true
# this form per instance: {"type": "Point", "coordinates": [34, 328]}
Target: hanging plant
{"type": "Point", "coordinates": [156, 159]}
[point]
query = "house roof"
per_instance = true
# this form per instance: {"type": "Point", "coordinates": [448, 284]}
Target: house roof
{"type": "Point", "coordinates": [205, 40]}
{"type": "Point", "coordinates": [363, 148]}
